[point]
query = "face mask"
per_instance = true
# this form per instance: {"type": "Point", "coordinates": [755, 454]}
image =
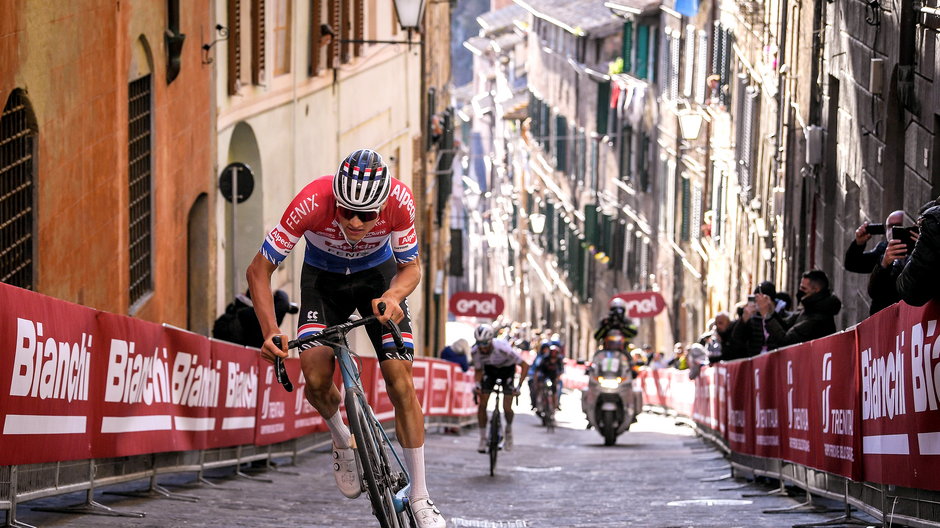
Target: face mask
{"type": "Point", "coordinates": [800, 295]}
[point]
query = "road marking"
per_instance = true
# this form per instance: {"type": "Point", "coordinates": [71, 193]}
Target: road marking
{"type": "Point", "coordinates": [710, 502]}
{"type": "Point", "coordinates": [457, 522]}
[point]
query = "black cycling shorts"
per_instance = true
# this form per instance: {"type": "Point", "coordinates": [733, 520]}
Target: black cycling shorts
{"type": "Point", "coordinates": [328, 299]}
{"type": "Point", "coordinates": [491, 374]}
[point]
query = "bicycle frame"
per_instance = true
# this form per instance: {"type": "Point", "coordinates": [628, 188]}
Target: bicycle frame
{"type": "Point", "coordinates": [352, 383]}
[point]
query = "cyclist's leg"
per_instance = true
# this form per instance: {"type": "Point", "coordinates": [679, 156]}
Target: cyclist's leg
{"type": "Point", "coordinates": [319, 310]}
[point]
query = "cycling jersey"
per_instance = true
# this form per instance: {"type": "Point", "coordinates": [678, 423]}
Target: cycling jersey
{"type": "Point", "coordinates": [501, 355]}
{"type": "Point", "coordinates": [312, 215]}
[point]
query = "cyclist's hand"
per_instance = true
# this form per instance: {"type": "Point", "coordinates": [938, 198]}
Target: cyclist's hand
{"type": "Point", "coordinates": [516, 391]}
{"type": "Point", "coordinates": [392, 309]}
{"type": "Point", "coordinates": [269, 350]}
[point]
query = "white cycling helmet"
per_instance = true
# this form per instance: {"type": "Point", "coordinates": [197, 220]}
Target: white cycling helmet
{"type": "Point", "coordinates": [362, 182]}
{"type": "Point", "coordinates": [618, 304]}
{"type": "Point", "coordinates": [484, 333]}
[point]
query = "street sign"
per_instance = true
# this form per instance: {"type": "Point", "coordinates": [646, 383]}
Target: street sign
{"type": "Point", "coordinates": [237, 175]}
{"type": "Point", "coordinates": [471, 304]}
{"type": "Point", "coordinates": [642, 304]}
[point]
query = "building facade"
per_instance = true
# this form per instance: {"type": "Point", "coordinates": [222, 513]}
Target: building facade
{"type": "Point", "coordinates": [106, 153]}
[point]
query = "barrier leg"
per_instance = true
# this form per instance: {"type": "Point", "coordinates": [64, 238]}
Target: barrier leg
{"type": "Point", "coordinates": [846, 519]}
{"type": "Point", "coordinates": [11, 513]}
{"type": "Point", "coordinates": [90, 506]}
{"type": "Point", "coordinates": [242, 474]}
{"type": "Point", "coordinates": [155, 491]}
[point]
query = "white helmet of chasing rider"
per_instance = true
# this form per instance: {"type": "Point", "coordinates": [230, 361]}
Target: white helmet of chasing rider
{"type": "Point", "coordinates": [484, 334]}
{"type": "Point", "coordinates": [618, 304]}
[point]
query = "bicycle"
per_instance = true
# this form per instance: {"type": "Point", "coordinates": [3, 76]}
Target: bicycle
{"type": "Point", "coordinates": [495, 433]}
{"type": "Point", "coordinates": [547, 402]}
{"type": "Point", "coordinates": [387, 485]}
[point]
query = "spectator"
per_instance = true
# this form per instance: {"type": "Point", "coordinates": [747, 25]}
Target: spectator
{"type": "Point", "coordinates": [882, 283]}
{"type": "Point", "coordinates": [658, 361]}
{"type": "Point", "coordinates": [750, 332]}
{"type": "Point", "coordinates": [239, 324]}
{"type": "Point", "coordinates": [729, 349]}
{"type": "Point", "coordinates": [680, 360]}
{"type": "Point", "coordinates": [857, 260]}
{"type": "Point", "coordinates": [817, 317]}
{"type": "Point", "coordinates": [919, 281]}
{"type": "Point", "coordinates": [458, 353]}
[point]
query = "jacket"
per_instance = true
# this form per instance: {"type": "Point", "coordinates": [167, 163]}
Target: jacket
{"type": "Point", "coordinates": [919, 281]}
{"type": "Point", "coordinates": [882, 288]}
{"type": "Point", "coordinates": [816, 319]}
{"type": "Point", "coordinates": [857, 260]}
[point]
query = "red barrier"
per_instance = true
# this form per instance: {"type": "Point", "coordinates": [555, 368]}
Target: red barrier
{"type": "Point", "coordinates": [238, 395]}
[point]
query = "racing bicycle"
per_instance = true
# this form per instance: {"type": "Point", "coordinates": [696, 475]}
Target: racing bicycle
{"type": "Point", "coordinates": [494, 437]}
{"type": "Point", "coordinates": [546, 398]}
{"type": "Point", "coordinates": [381, 471]}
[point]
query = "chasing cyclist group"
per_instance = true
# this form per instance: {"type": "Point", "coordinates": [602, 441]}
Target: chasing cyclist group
{"type": "Point", "coordinates": [361, 249]}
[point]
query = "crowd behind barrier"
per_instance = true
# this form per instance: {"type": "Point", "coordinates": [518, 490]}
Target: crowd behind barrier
{"type": "Point", "coordinates": [863, 404]}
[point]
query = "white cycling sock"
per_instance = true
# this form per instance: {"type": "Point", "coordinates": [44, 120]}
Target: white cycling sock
{"type": "Point", "coordinates": [338, 430]}
{"type": "Point", "coordinates": [414, 462]}
{"type": "Point", "coordinates": [482, 433]}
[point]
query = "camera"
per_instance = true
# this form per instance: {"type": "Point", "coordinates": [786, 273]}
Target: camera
{"type": "Point", "coordinates": [751, 298]}
{"type": "Point", "coordinates": [875, 229]}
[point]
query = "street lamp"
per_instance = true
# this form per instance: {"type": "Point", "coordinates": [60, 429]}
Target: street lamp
{"type": "Point", "coordinates": [537, 223]}
{"type": "Point", "coordinates": [409, 14]}
{"type": "Point", "coordinates": [690, 123]}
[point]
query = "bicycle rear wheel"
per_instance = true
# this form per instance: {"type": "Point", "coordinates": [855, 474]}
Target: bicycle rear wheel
{"type": "Point", "coordinates": [373, 461]}
{"type": "Point", "coordinates": [495, 426]}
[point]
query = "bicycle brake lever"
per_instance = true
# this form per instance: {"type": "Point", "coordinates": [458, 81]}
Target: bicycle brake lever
{"type": "Point", "coordinates": [396, 332]}
{"type": "Point", "coordinates": [280, 371]}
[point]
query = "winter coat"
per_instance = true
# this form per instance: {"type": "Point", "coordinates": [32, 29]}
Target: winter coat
{"type": "Point", "coordinates": [816, 319]}
{"type": "Point", "coordinates": [731, 349]}
{"type": "Point", "coordinates": [857, 260]}
{"type": "Point", "coordinates": [919, 281]}
{"type": "Point", "coordinates": [881, 286]}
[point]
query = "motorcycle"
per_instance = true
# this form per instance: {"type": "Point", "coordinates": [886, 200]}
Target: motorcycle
{"type": "Point", "coordinates": [609, 401]}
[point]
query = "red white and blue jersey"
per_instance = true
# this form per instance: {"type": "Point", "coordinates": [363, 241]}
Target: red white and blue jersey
{"type": "Point", "coordinates": [312, 215]}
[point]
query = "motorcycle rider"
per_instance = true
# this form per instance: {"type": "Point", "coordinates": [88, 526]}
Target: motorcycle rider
{"type": "Point", "coordinates": [494, 359]}
{"type": "Point", "coordinates": [551, 367]}
{"type": "Point", "coordinates": [616, 319]}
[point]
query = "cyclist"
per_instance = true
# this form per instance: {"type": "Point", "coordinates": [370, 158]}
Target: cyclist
{"type": "Point", "coordinates": [552, 367]}
{"type": "Point", "coordinates": [494, 359]}
{"type": "Point", "coordinates": [542, 354]}
{"type": "Point", "coordinates": [361, 249]}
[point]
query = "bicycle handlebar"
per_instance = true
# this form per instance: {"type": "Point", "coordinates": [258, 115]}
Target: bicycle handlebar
{"type": "Point", "coordinates": [335, 331]}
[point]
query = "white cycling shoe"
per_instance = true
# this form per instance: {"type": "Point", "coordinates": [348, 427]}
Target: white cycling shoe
{"type": "Point", "coordinates": [426, 514]}
{"type": "Point", "coordinates": [345, 473]}
{"type": "Point", "coordinates": [483, 447]}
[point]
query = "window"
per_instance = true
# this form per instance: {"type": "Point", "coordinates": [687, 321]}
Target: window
{"type": "Point", "coordinates": [642, 52]}
{"type": "Point", "coordinates": [686, 207]}
{"type": "Point", "coordinates": [688, 68]}
{"type": "Point", "coordinates": [701, 60]}
{"type": "Point", "coordinates": [240, 63]}
{"type": "Point", "coordinates": [626, 152]}
{"type": "Point", "coordinates": [282, 37]}
{"type": "Point", "coordinates": [258, 44]}
{"type": "Point", "coordinates": [17, 191]}
{"type": "Point", "coordinates": [140, 197]}
{"type": "Point", "coordinates": [315, 56]}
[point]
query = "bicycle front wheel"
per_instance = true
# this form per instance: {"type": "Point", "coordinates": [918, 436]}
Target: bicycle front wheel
{"type": "Point", "coordinates": [495, 426]}
{"type": "Point", "coordinates": [372, 460]}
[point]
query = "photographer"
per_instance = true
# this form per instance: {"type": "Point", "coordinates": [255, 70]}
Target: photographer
{"type": "Point", "coordinates": [816, 318]}
{"type": "Point", "coordinates": [882, 282]}
{"type": "Point", "coordinates": [239, 324]}
{"type": "Point", "coordinates": [857, 260]}
{"type": "Point", "coordinates": [919, 281]}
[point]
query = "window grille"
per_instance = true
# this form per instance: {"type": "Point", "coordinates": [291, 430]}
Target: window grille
{"type": "Point", "coordinates": [258, 44]}
{"type": "Point", "coordinates": [140, 198]}
{"type": "Point", "coordinates": [688, 73]}
{"type": "Point", "coordinates": [16, 193]}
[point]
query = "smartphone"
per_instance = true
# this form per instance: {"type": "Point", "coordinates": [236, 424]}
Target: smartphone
{"type": "Point", "coordinates": [875, 229]}
{"type": "Point", "coordinates": [751, 298]}
{"type": "Point", "coordinates": [904, 235]}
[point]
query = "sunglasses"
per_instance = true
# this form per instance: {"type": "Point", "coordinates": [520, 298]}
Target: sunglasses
{"type": "Point", "coordinates": [365, 216]}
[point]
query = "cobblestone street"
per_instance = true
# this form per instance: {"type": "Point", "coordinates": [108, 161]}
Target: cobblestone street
{"type": "Point", "coordinates": [562, 479]}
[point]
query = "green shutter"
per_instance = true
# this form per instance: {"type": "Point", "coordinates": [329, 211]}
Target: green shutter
{"type": "Point", "coordinates": [603, 106]}
{"type": "Point", "coordinates": [686, 209]}
{"type": "Point", "coordinates": [627, 49]}
{"type": "Point", "coordinates": [561, 139]}
{"type": "Point", "coordinates": [642, 51]}
{"type": "Point", "coordinates": [590, 224]}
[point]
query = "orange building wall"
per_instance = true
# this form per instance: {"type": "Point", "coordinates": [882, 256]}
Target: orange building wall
{"type": "Point", "coordinates": [72, 58]}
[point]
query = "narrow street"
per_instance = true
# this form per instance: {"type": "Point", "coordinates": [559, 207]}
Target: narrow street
{"type": "Point", "coordinates": [659, 474]}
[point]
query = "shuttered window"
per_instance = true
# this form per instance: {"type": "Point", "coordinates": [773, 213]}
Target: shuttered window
{"type": "Point", "coordinates": [314, 59]}
{"type": "Point", "coordinates": [642, 161]}
{"type": "Point", "coordinates": [721, 59]}
{"type": "Point", "coordinates": [685, 198]}
{"type": "Point", "coordinates": [140, 195]}
{"type": "Point", "coordinates": [674, 50]}
{"type": "Point", "coordinates": [700, 70]}
{"type": "Point", "coordinates": [749, 97]}
{"type": "Point", "coordinates": [333, 13]}
{"type": "Point", "coordinates": [688, 68]}
{"type": "Point", "coordinates": [282, 37]}
{"type": "Point", "coordinates": [641, 69]}
{"type": "Point", "coordinates": [234, 46]}
{"type": "Point", "coordinates": [695, 215]}
{"type": "Point", "coordinates": [17, 192]}
{"type": "Point", "coordinates": [359, 25]}
{"type": "Point", "coordinates": [258, 44]}
{"type": "Point", "coordinates": [626, 152]}
{"type": "Point", "coordinates": [627, 48]}
{"type": "Point", "coordinates": [561, 143]}
{"type": "Point", "coordinates": [603, 106]}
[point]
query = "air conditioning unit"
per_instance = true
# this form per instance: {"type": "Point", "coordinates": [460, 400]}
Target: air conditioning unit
{"type": "Point", "coordinates": [814, 144]}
